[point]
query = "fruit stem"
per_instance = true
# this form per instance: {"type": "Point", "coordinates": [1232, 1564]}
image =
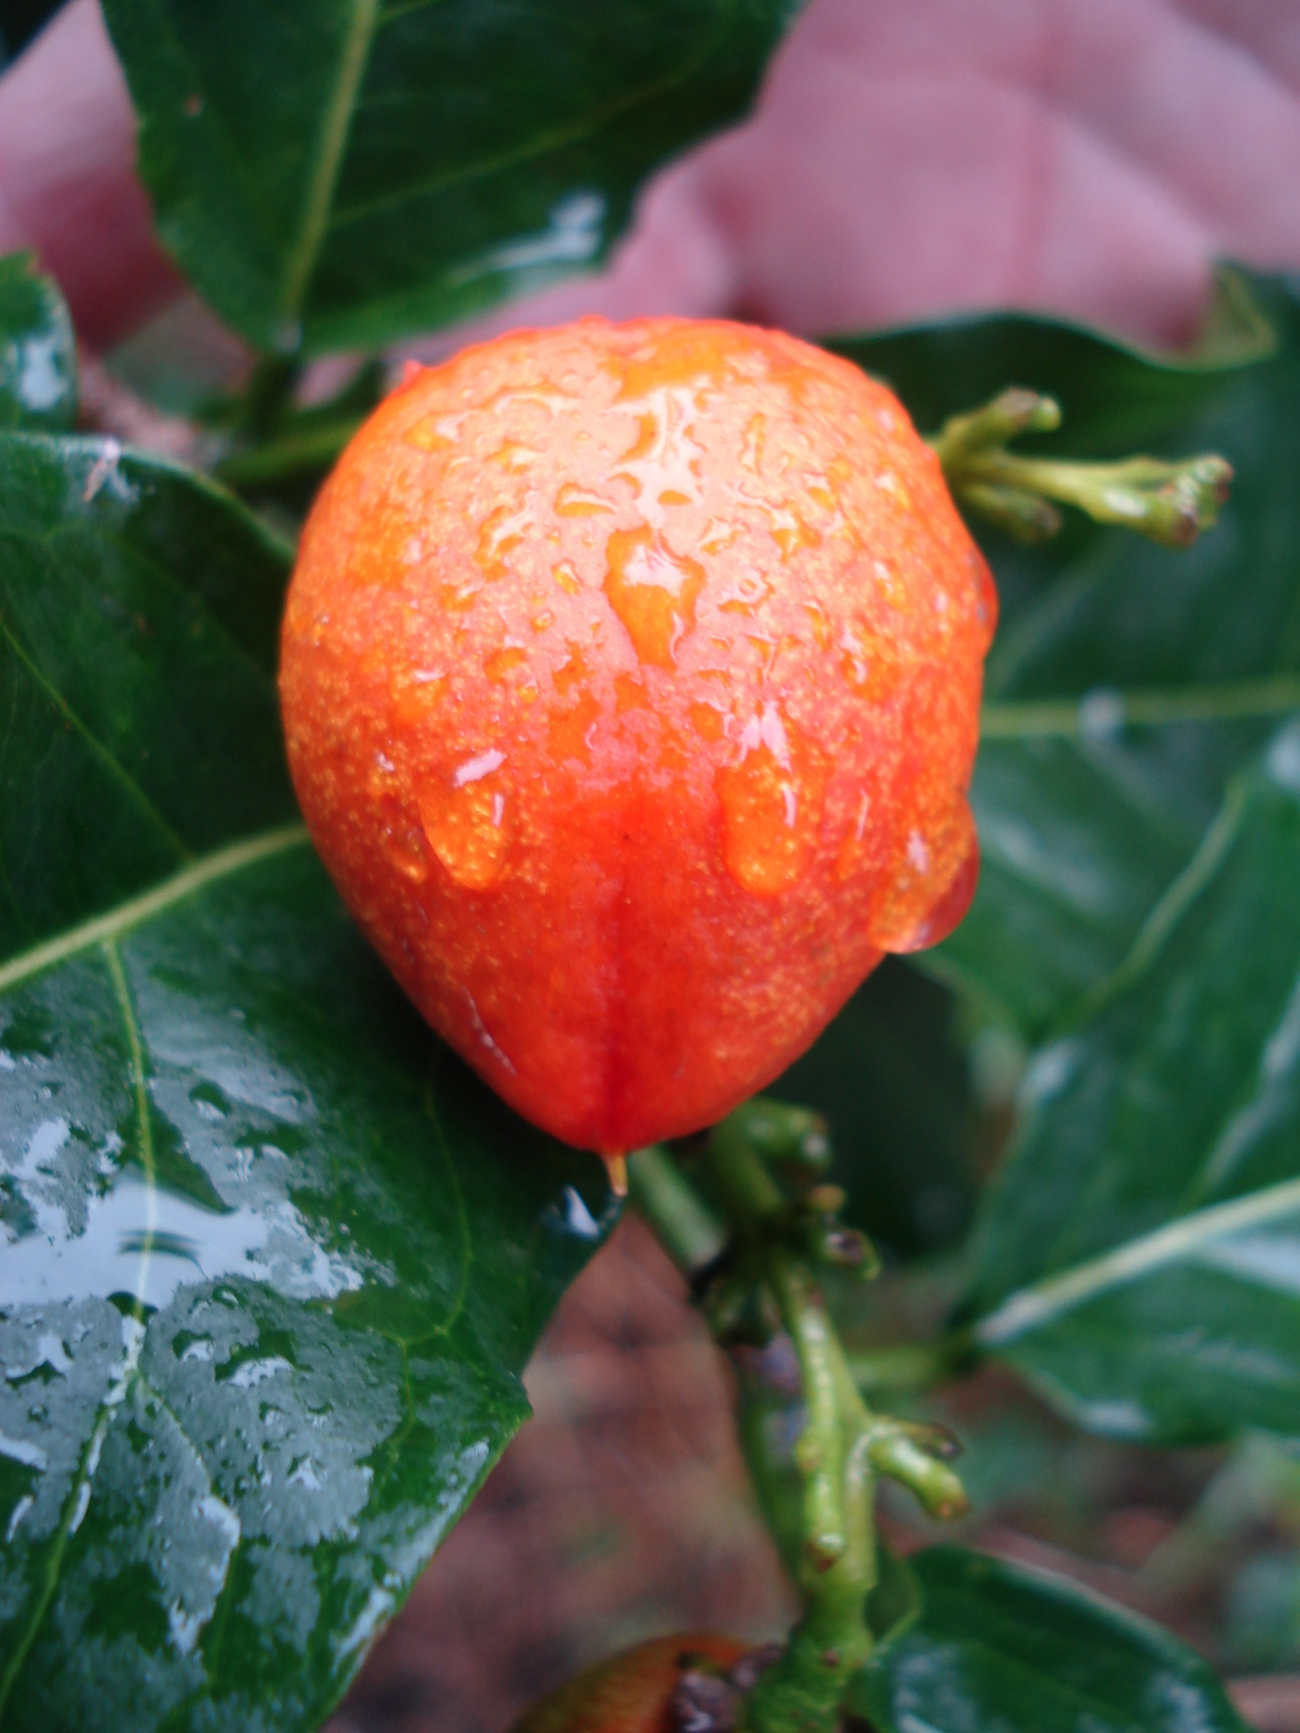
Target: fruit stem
{"type": "Point", "coordinates": [751, 1252]}
{"type": "Point", "coordinates": [681, 1221]}
{"type": "Point", "coordinates": [836, 1568]}
{"type": "Point", "coordinates": [1171, 503]}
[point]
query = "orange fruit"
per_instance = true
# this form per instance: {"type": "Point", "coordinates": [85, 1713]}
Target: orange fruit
{"type": "Point", "coordinates": [632, 1692]}
{"type": "Point", "coordinates": [631, 680]}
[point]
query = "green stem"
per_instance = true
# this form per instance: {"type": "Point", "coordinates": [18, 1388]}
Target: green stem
{"type": "Point", "coordinates": [1171, 503]}
{"type": "Point", "coordinates": [821, 1504]}
{"type": "Point", "coordinates": [682, 1222]}
{"type": "Point", "coordinates": [837, 1567]}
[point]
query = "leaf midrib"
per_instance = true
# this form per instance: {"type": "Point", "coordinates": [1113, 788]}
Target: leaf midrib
{"type": "Point", "coordinates": [587, 126]}
{"type": "Point", "coordinates": [98, 750]}
{"type": "Point", "coordinates": [336, 123]}
{"type": "Point", "coordinates": [1246, 700]}
{"type": "Point", "coordinates": [1046, 1301]}
{"type": "Point", "coordinates": [114, 922]}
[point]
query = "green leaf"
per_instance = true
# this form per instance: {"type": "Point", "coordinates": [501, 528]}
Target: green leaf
{"type": "Point", "coordinates": [1139, 1255]}
{"type": "Point", "coordinates": [891, 1078]}
{"type": "Point", "coordinates": [272, 1261]}
{"type": "Point", "coordinates": [1128, 683]}
{"type": "Point", "coordinates": [346, 173]}
{"type": "Point", "coordinates": [38, 355]}
{"type": "Point", "coordinates": [996, 1649]}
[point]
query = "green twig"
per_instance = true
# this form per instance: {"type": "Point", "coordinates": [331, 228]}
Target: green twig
{"type": "Point", "coordinates": [1171, 503]}
{"type": "Point", "coordinates": [684, 1225]}
{"type": "Point", "coordinates": [760, 1282]}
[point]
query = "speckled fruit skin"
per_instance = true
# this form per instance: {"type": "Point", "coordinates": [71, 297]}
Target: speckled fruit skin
{"type": "Point", "coordinates": [631, 680]}
{"type": "Point", "coordinates": [632, 1692]}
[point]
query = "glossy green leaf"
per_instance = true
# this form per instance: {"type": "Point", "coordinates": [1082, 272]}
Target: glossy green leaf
{"type": "Point", "coordinates": [891, 1077]}
{"type": "Point", "coordinates": [38, 354]}
{"type": "Point", "coordinates": [1128, 683]}
{"type": "Point", "coordinates": [1139, 1255]}
{"type": "Point", "coordinates": [347, 172]}
{"type": "Point", "coordinates": [271, 1260]}
{"type": "Point", "coordinates": [996, 1649]}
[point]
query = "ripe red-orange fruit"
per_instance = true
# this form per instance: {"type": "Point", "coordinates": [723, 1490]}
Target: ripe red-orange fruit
{"type": "Point", "coordinates": [631, 677]}
{"type": "Point", "coordinates": [632, 1692]}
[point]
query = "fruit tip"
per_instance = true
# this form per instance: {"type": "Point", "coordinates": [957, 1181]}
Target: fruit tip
{"type": "Point", "coordinates": [617, 1166]}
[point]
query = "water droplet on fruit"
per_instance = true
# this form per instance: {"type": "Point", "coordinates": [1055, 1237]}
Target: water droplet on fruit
{"type": "Point", "coordinates": [663, 462]}
{"type": "Point", "coordinates": [820, 624]}
{"type": "Point", "coordinates": [415, 693]}
{"type": "Point", "coordinates": [771, 805]}
{"type": "Point", "coordinates": [888, 482]}
{"type": "Point", "coordinates": [707, 721]}
{"type": "Point", "coordinates": [503, 530]}
{"type": "Point", "coordinates": [406, 852]}
{"type": "Point", "coordinates": [571, 672]}
{"type": "Point", "coordinates": [926, 881]}
{"type": "Point", "coordinates": [438, 432]}
{"type": "Point", "coordinates": [653, 591]}
{"type": "Point", "coordinates": [464, 820]}
{"type": "Point", "coordinates": [499, 665]}
{"type": "Point", "coordinates": [871, 663]}
{"type": "Point", "coordinates": [575, 501]}
{"type": "Point", "coordinates": [571, 730]}
{"type": "Point", "coordinates": [382, 771]}
{"type": "Point", "coordinates": [629, 693]}
{"type": "Point", "coordinates": [852, 847]}
{"type": "Point", "coordinates": [791, 532]}
{"type": "Point", "coordinates": [717, 535]}
{"type": "Point", "coordinates": [751, 451]}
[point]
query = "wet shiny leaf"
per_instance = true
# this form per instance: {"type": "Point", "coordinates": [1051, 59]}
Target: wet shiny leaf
{"type": "Point", "coordinates": [996, 1649]}
{"type": "Point", "coordinates": [352, 173]}
{"type": "Point", "coordinates": [38, 354]}
{"type": "Point", "coordinates": [1139, 1255]}
{"type": "Point", "coordinates": [1128, 683]}
{"type": "Point", "coordinates": [271, 1261]}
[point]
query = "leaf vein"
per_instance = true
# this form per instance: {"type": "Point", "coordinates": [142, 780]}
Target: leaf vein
{"type": "Point", "coordinates": [99, 751]}
{"type": "Point", "coordinates": [111, 925]}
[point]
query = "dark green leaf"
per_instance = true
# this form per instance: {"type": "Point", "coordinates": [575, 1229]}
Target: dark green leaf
{"type": "Point", "coordinates": [272, 1260]}
{"type": "Point", "coordinates": [1128, 683]}
{"type": "Point", "coordinates": [891, 1077]}
{"type": "Point", "coordinates": [38, 355]}
{"type": "Point", "coordinates": [347, 173]}
{"type": "Point", "coordinates": [996, 1649]}
{"type": "Point", "coordinates": [1139, 1257]}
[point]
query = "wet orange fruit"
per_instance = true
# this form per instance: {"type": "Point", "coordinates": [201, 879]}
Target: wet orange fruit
{"type": "Point", "coordinates": [631, 678]}
{"type": "Point", "coordinates": [632, 1692]}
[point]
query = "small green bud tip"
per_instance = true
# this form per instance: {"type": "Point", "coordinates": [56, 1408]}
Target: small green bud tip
{"type": "Point", "coordinates": [1171, 503]}
{"type": "Point", "coordinates": [824, 1550]}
